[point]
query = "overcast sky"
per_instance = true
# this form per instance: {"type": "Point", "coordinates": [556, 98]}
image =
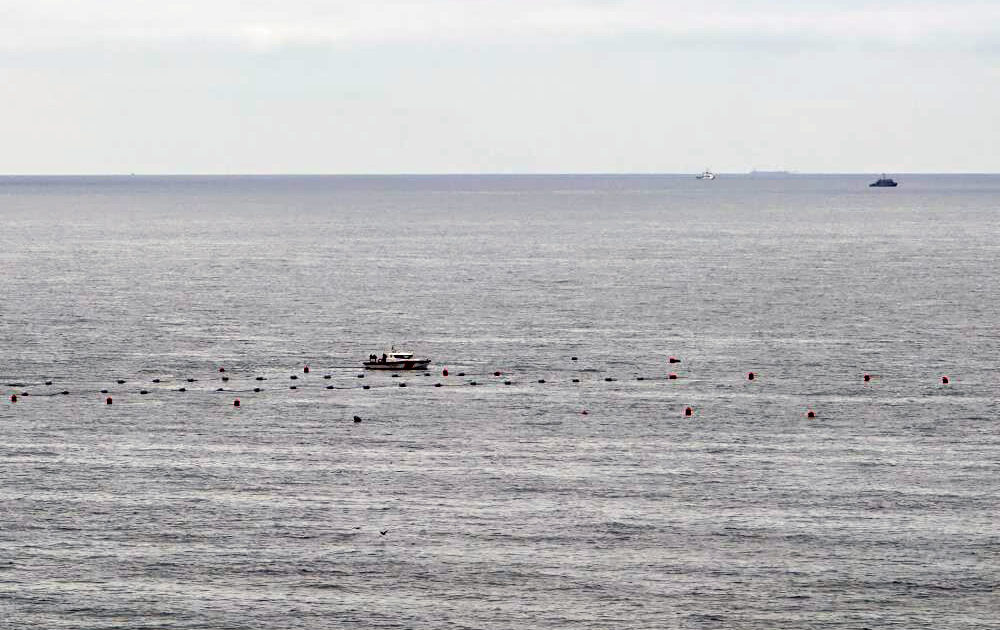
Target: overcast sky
{"type": "Point", "coordinates": [529, 86]}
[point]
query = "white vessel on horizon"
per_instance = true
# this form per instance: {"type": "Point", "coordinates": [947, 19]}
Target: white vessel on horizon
{"type": "Point", "coordinates": [707, 174]}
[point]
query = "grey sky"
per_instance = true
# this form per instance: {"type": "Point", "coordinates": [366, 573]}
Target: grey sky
{"type": "Point", "coordinates": [304, 86]}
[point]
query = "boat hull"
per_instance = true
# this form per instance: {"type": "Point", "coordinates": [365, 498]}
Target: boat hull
{"type": "Point", "coordinates": [415, 364]}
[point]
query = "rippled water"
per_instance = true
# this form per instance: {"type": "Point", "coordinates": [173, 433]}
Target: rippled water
{"type": "Point", "coordinates": [502, 506]}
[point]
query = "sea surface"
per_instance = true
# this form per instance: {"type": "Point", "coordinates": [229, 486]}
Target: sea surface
{"type": "Point", "coordinates": [524, 500]}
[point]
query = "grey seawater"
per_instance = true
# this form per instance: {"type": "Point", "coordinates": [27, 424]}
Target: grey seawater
{"type": "Point", "coordinates": [503, 506]}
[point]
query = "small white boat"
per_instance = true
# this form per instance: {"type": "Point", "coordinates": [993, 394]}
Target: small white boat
{"type": "Point", "coordinates": [707, 174]}
{"type": "Point", "coordinates": [395, 360]}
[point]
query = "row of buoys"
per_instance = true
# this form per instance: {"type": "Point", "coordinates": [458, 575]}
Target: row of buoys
{"type": "Point", "coordinates": [945, 380]}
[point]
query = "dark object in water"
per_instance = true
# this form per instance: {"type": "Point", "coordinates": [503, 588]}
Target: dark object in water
{"type": "Point", "coordinates": [883, 182]}
{"type": "Point", "coordinates": [357, 418]}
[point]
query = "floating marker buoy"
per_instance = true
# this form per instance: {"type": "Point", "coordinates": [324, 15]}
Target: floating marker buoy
{"type": "Point", "coordinates": [225, 378]}
{"type": "Point", "coordinates": [361, 375]}
{"type": "Point", "coordinates": [259, 378]}
{"type": "Point", "coordinates": [541, 380]}
{"type": "Point", "coordinates": [329, 386]}
{"type": "Point", "coordinates": [222, 369]}
{"type": "Point", "coordinates": [688, 411]}
{"type": "Point", "coordinates": [48, 382]}
{"type": "Point", "coordinates": [156, 380]}
{"type": "Point", "coordinates": [444, 372]}
{"type": "Point", "coordinates": [672, 376]}
{"type": "Point", "coordinates": [427, 373]}
{"type": "Point", "coordinates": [497, 373]}
{"type": "Point", "coordinates": [108, 401]}
{"type": "Point", "coordinates": [366, 387]}
{"type": "Point", "coordinates": [292, 387]}
{"type": "Point", "coordinates": [220, 389]}
{"type": "Point", "coordinates": [867, 377]}
{"type": "Point", "coordinates": [461, 373]}
{"type": "Point", "coordinates": [506, 382]}
{"type": "Point", "coordinates": [673, 360]}
{"type": "Point", "coordinates": [13, 398]}
{"type": "Point", "coordinates": [305, 369]}
{"type": "Point", "coordinates": [395, 376]}
{"type": "Point", "coordinates": [584, 412]}
{"type": "Point", "coordinates": [572, 358]}
{"type": "Point", "coordinates": [64, 392]}
{"type": "Point", "coordinates": [751, 376]}
{"type": "Point", "coordinates": [402, 384]}
{"type": "Point", "coordinates": [945, 380]}
{"type": "Point", "coordinates": [810, 414]}
{"type": "Point", "coordinates": [191, 380]}
{"type": "Point", "coordinates": [121, 381]}
{"type": "Point", "coordinates": [256, 389]}
{"type": "Point", "coordinates": [104, 391]}
{"type": "Point", "coordinates": [639, 378]}
{"type": "Point", "coordinates": [236, 403]}
{"type": "Point", "coordinates": [327, 376]}
{"type": "Point", "coordinates": [437, 384]}
{"type": "Point", "coordinates": [608, 379]}
{"type": "Point", "coordinates": [357, 418]}
{"type": "Point", "coordinates": [473, 383]}
{"type": "Point", "coordinates": [182, 389]}
{"type": "Point", "coordinates": [143, 392]}
{"type": "Point", "coordinates": [293, 377]}
{"type": "Point", "coordinates": [576, 380]}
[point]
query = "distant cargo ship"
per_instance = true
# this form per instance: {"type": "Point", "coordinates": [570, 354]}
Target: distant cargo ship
{"type": "Point", "coordinates": [883, 182]}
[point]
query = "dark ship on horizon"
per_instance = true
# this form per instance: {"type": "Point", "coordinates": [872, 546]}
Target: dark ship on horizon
{"type": "Point", "coordinates": [883, 182]}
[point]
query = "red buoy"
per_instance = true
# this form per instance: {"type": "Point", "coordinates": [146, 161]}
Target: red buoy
{"type": "Point", "coordinates": [688, 411]}
{"type": "Point", "coordinates": [497, 373]}
{"type": "Point", "coordinates": [306, 369]}
{"type": "Point", "coordinates": [674, 360]}
{"type": "Point", "coordinates": [222, 369]}
{"type": "Point", "coordinates": [672, 375]}
{"type": "Point", "coordinates": [944, 380]}
{"type": "Point", "coordinates": [13, 398]}
{"type": "Point", "coordinates": [108, 400]}
{"type": "Point", "coordinates": [867, 378]}
{"type": "Point", "coordinates": [444, 372]}
{"type": "Point", "coordinates": [751, 376]}
{"type": "Point", "coordinates": [810, 414]}
{"type": "Point", "coordinates": [236, 403]}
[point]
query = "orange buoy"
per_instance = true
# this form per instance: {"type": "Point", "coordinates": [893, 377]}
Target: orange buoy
{"type": "Point", "coordinates": [944, 380]}
{"type": "Point", "coordinates": [810, 414]}
{"type": "Point", "coordinates": [672, 375]}
{"type": "Point", "coordinates": [236, 403]}
{"type": "Point", "coordinates": [688, 411]}
{"type": "Point", "coordinates": [444, 372]}
{"type": "Point", "coordinates": [108, 401]}
{"type": "Point", "coordinates": [751, 376]}
{"type": "Point", "coordinates": [13, 398]}
{"type": "Point", "coordinates": [305, 370]}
